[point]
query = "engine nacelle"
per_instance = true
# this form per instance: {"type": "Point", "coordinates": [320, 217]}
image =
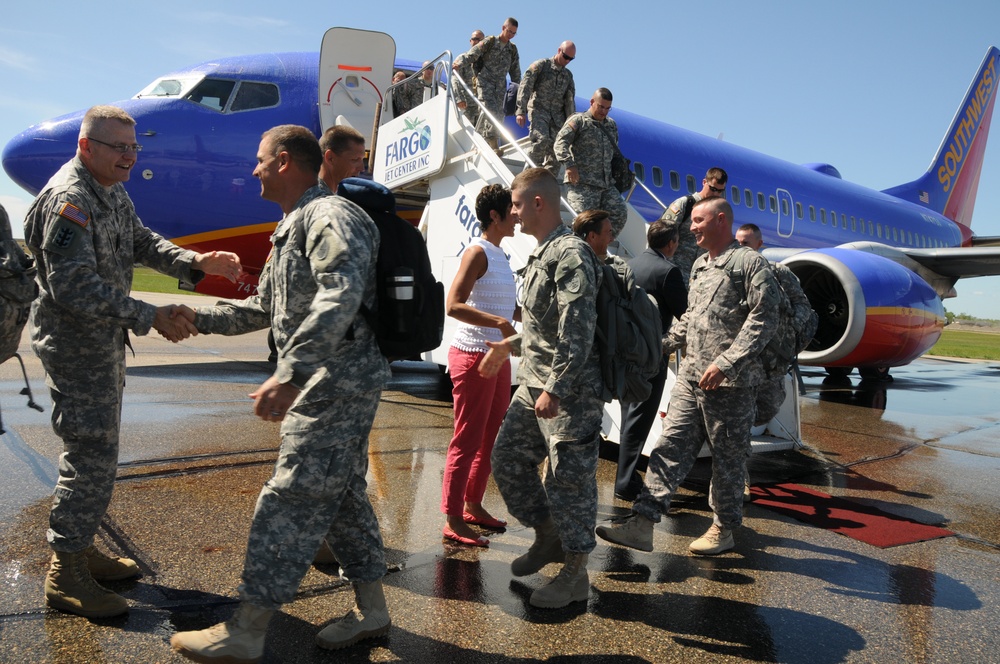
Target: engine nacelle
{"type": "Point", "coordinates": [872, 311]}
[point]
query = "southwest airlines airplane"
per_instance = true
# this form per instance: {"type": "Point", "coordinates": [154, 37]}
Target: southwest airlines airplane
{"type": "Point", "coordinates": [875, 264]}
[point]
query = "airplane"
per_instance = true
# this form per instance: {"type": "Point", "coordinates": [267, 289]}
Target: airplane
{"type": "Point", "coordinates": [875, 264]}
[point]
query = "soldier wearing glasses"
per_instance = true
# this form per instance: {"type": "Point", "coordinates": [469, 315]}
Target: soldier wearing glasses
{"type": "Point", "coordinates": [546, 98]}
{"type": "Point", "coordinates": [86, 237]}
{"type": "Point", "coordinates": [463, 67]}
{"type": "Point", "coordinates": [679, 212]}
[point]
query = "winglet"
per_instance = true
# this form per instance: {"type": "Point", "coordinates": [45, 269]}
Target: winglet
{"type": "Point", "coordinates": [950, 184]}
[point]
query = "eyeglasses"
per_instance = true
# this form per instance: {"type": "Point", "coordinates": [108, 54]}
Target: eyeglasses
{"type": "Point", "coordinates": [569, 58]}
{"type": "Point", "coordinates": [475, 40]}
{"type": "Point", "coordinates": [119, 147]}
{"type": "Point", "coordinates": [716, 189]}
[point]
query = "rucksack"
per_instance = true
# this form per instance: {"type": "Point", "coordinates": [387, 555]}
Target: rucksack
{"type": "Point", "coordinates": [797, 322]}
{"type": "Point", "coordinates": [409, 315]}
{"type": "Point", "coordinates": [629, 335]}
{"type": "Point", "coordinates": [17, 290]}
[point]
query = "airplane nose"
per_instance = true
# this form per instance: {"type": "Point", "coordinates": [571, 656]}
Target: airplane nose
{"type": "Point", "coordinates": [31, 157]}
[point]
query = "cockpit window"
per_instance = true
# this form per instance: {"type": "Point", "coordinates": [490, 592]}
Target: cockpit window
{"type": "Point", "coordinates": [212, 93]}
{"type": "Point", "coordinates": [169, 86]}
{"type": "Point", "coordinates": [254, 95]}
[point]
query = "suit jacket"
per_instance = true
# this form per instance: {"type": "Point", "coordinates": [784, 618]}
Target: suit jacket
{"type": "Point", "coordinates": [663, 280]}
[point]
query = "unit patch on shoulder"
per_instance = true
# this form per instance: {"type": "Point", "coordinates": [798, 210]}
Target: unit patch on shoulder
{"type": "Point", "coordinates": [74, 214]}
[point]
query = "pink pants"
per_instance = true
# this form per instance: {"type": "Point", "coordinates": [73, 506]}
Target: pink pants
{"type": "Point", "coordinates": [480, 405]}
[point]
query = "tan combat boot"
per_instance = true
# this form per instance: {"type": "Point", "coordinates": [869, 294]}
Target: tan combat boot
{"type": "Point", "coordinates": [715, 540]}
{"type": "Point", "coordinates": [70, 587]}
{"type": "Point", "coordinates": [547, 548]}
{"type": "Point", "coordinates": [633, 530]}
{"type": "Point", "coordinates": [367, 620]}
{"type": "Point", "coordinates": [571, 585]}
{"type": "Point", "coordinates": [239, 640]}
{"type": "Point", "coordinates": [109, 568]}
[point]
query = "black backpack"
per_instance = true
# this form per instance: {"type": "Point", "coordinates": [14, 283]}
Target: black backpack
{"type": "Point", "coordinates": [409, 315]}
{"type": "Point", "coordinates": [629, 336]}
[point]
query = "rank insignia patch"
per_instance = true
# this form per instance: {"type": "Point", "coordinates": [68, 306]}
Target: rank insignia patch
{"type": "Point", "coordinates": [74, 214]}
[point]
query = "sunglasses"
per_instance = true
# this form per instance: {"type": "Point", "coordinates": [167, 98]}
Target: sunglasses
{"type": "Point", "coordinates": [569, 58]}
{"type": "Point", "coordinates": [716, 189]}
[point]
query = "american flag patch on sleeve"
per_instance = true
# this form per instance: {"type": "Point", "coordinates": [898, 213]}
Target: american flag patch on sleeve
{"type": "Point", "coordinates": [74, 214]}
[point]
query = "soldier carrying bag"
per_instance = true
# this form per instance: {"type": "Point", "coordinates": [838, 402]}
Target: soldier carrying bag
{"type": "Point", "coordinates": [621, 168]}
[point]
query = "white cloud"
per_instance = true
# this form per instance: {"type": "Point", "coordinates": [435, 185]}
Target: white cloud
{"type": "Point", "coordinates": [12, 59]}
{"type": "Point", "coordinates": [240, 21]}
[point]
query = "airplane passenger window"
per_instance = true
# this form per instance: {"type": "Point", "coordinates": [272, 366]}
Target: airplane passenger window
{"type": "Point", "coordinates": [784, 207]}
{"type": "Point", "coordinates": [822, 216]}
{"type": "Point", "coordinates": [833, 218]}
{"type": "Point", "coordinates": [690, 183]}
{"type": "Point", "coordinates": [675, 180]}
{"type": "Point", "coordinates": [774, 203]}
{"type": "Point", "coordinates": [255, 95]}
{"type": "Point", "coordinates": [878, 230]}
{"type": "Point", "coordinates": [734, 193]}
{"type": "Point", "coordinates": [909, 237]}
{"type": "Point", "coordinates": [657, 176]}
{"type": "Point", "coordinates": [798, 210]}
{"type": "Point", "coordinates": [748, 197]}
{"type": "Point", "coordinates": [843, 221]}
{"type": "Point", "coordinates": [871, 231]}
{"type": "Point", "coordinates": [854, 224]}
{"type": "Point", "coordinates": [760, 200]}
{"type": "Point", "coordinates": [812, 213]}
{"type": "Point", "coordinates": [640, 171]}
{"type": "Point", "coordinates": [895, 235]}
{"type": "Point", "coordinates": [212, 93]}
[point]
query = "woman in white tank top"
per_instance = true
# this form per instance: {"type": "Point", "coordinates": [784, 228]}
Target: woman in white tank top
{"type": "Point", "coordinates": [482, 298]}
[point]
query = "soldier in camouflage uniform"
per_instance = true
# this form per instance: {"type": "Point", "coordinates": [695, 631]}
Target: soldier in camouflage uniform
{"type": "Point", "coordinates": [463, 67]}
{"type": "Point", "coordinates": [324, 391]}
{"type": "Point", "coordinates": [545, 98]}
{"type": "Point", "coordinates": [490, 61]}
{"type": "Point", "coordinates": [555, 414]}
{"type": "Point", "coordinates": [585, 146]}
{"type": "Point", "coordinates": [771, 393]}
{"type": "Point", "coordinates": [85, 236]}
{"type": "Point", "coordinates": [713, 399]}
{"type": "Point", "coordinates": [679, 212]}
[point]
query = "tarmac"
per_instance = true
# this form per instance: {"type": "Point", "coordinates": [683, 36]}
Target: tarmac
{"type": "Point", "coordinates": [193, 459]}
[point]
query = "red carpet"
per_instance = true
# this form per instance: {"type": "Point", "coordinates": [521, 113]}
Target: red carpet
{"type": "Point", "coordinates": [847, 517]}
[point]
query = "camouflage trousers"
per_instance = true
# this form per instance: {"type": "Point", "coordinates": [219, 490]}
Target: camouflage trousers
{"type": "Point", "coordinates": [544, 129]}
{"type": "Point", "coordinates": [582, 197]}
{"type": "Point", "coordinates": [318, 491]}
{"type": "Point", "coordinates": [86, 415]}
{"type": "Point", "coordinates": [570, 443]}
{"type": "Point", "coordinates": [720, 417]}
{"type": "Point", "coordinates": [492, 96]}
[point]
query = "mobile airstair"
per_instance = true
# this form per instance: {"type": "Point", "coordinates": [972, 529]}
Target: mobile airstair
{"type": "Point", "coordinates": [432, 159]}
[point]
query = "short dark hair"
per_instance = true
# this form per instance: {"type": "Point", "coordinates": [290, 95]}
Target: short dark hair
{"type": "Point", "coordinates": [717, 174]}
{"type": "Point", "coordinates": [511, 21]}
{"type": "Point", "coordinates": [589, 221]}
{"type": "Point", "coordinates": [339, 137]}
{"type": "Point", "coordinates": [604, 94]}
{"type": "Point", "coordinates": [538, 182]}
{"type": "Point", "coordinates": [750, 228]}
{"type": "Point", "coordinates": [495, 198]}
{"type": "Point", "coordinates": [661, 233]}
{"type": "Point", "coordinates": [299, 143]}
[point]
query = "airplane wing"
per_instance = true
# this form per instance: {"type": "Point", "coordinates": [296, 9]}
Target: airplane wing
{"type": "Point", "coordinates": [959, 262]}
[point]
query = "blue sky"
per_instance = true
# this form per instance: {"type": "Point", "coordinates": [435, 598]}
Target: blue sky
{"type": "Point", "coordinates": [869, 87]}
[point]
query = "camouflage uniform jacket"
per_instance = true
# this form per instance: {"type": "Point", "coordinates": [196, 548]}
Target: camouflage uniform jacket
{"type": "Point", "coordinates": [547, 88]}
{"type": "Point", "coordinates": [86, 238]}
{"type": "Point", "coordinates": [559, 316]}
{"type": "Point", "coordinates": [407, 97]}
{"type": "Point", "coordinates": [583, 142]}
{"type": "Point", "coordinates": [463, 68]}
{"type": "Point", "coordinates": [679, 212]}
{"type": "Point", "coordinates": [498, 60]}
{"type": "Point", "coordinates": [321, 269]}
{"type": "Point", "coordinates": [719, 327]}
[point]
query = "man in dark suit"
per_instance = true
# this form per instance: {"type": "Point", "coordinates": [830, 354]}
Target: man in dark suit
{"type": "Point", "coordinates": [663, 280]}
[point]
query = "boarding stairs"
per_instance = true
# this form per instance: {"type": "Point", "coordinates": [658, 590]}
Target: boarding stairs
{"type": "Point", "coordinates": [433, 159]}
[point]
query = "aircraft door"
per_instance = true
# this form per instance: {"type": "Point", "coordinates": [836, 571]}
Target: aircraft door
{"type": "Point", "coordinates": [786, 213]}
{"type": "Point", "coordinates": [355, 67]}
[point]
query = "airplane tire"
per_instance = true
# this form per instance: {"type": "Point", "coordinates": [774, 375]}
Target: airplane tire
{"type": "Point", "coordinates": [839, 372]}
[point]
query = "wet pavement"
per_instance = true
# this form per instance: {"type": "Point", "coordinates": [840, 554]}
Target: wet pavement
{"type": "Point", "coordinates": [193, 459]}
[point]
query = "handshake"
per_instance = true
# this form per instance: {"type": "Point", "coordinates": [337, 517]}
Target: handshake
{"type": "Point", "coordinates": [175, 322]}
